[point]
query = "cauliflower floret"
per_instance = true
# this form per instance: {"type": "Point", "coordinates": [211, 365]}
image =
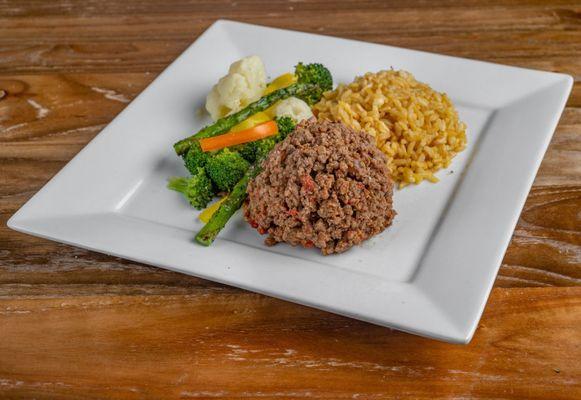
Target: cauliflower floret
{"type": "Point", "coordinates": [251, 68]}
{"type": "Point", "coordinates": [294, 108]}
{"type": "Point", "coordinates": [227, 95]}
{"type": "Point", "coordinates": [245, 82]}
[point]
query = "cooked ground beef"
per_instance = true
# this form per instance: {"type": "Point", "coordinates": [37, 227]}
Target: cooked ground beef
{"type": "Point", "coordinates": [325, 185]}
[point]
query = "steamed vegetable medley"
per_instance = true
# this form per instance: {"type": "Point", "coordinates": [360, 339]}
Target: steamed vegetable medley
{"type": "Point", "coordinates": [250, 117]}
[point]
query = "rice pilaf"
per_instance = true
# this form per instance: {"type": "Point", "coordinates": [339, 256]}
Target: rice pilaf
{"type": "Point", "coordinates": [415, 126]}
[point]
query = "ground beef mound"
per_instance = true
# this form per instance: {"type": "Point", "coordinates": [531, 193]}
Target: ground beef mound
{"type": "Point", "coordinates": [325, 185]}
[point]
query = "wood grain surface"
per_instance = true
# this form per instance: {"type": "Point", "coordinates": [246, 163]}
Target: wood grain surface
{"type": "Point", "coordinates": [80, 325]}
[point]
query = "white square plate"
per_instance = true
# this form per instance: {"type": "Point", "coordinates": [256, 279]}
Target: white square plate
{"type": "Point", "coordinates": [430, 273]}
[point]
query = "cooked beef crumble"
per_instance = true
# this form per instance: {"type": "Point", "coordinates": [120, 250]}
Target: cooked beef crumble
{"type": "Point", "coordinates": [325, 185]}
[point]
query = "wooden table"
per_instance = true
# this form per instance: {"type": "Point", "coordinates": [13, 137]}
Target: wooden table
{"type": "Point", "coordinates": [80, 325]}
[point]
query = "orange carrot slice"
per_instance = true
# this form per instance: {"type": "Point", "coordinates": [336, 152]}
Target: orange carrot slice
{"type": "Point", "coordinates": [233, 138]}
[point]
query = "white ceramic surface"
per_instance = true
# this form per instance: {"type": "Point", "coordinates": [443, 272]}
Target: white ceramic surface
{"type": "Point", "coordinates": [429, 274]}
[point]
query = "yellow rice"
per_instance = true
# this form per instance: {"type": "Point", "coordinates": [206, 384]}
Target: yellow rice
{"type": "Point", "coordinates": [416, 127]}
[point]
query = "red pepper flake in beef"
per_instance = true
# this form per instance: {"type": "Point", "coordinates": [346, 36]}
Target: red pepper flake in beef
{"type": "Point", "coordinates": [308, 183]}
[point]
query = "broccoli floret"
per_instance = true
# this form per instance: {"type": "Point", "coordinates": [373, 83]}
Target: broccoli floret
{"type": "Point", "coordinates": [317, 75]}
{"type": "Point", "coordinates": [264, 146]}
{"type": "Point", "coordinates": [225, 168]}
{"type": "Point", "coordinates": [253, 150]}
{"type": "Point", "coordinates": [247, 151]}
{"type": "Point", "coordinates": [285, 126]}
{"type": "Point", "coordinates": [197, 189]}
{"type": "Point", "coordinates": [195, 158]}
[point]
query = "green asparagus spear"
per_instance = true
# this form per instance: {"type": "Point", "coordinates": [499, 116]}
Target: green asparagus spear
{"type": "Point", "coordinates": [232, 203]}
{"type": "Point", "coordinates": [313, 80]}
{"type": "Point", "coordinates": [223, 125]}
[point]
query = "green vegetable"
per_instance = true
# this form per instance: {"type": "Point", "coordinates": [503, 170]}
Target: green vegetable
{"type": "Point", "coordinates": [285, 126]}
{"type": "Point", "coordinates": [314, 74]}
{"type": "Point", "coordinates": [313, 80]}
{"type": "Point", "coordinates": [230, 205]}
{"type": "Point", "coordinates": [197, 189]}
{"type": "Point", "coordinates": [226, 168]}
{"type": "Point", "coordinates": [250, 151]}
{"type": "Point", "coordinates": [238, 194]}
{"type": "Point", "coordinates": [195, 158]}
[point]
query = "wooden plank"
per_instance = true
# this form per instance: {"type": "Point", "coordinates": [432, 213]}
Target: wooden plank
{"type": "Point", "coordinates": [58, 106]}
{"type": "Point", "coordinates": [240, 345]}
{"type": "Point", "coordinates": [153, 55]}
{"type": "Point", "coordinates": [389, 21]}
{"type": "Point", "coordinates": [217, 7]}
{"type": "Point", "coordinates": [147, 40]}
